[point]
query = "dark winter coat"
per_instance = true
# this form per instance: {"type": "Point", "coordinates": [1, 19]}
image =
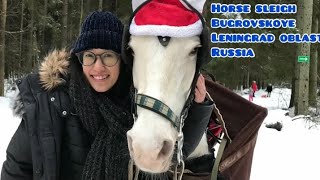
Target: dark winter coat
{"type": "Point", "coordinates": [269, 88]}
{"type": "Point", "coordinates": [50, 142]}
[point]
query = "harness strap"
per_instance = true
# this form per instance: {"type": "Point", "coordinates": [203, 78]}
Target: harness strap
{"type": "Point", "coordinates": [215, 169]}
{"type": "Point", "coordinates": [225, 140]}
{"type": "Point", "coordinates": [158, 107]}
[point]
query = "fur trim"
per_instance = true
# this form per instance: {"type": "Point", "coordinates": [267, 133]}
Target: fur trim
{"type": "Point", "coordinates": [17, 104]}
{"type": "Point", "coordinates": [54, 66]}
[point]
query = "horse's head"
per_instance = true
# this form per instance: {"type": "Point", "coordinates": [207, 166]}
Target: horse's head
{"type": "Point", "coordinates": [163, 66]}
{"type": "Point", "coordinates": [166, 74]}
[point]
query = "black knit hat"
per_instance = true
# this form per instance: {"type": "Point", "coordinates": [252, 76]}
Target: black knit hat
{"type": "Point", "coordinates": [100, 30]}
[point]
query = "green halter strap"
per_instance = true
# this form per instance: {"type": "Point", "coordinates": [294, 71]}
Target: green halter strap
{"type": "Point", "coordinates": [158, 107]}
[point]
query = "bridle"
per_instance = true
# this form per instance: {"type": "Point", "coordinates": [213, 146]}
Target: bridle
{"type": "Point", "coordinates": [157, 106]}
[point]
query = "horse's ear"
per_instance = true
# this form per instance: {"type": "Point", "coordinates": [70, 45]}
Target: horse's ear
{"type": "Point", "coordinates": [126, 53]}
{"type": "Point", "coordinates": [203, 54]}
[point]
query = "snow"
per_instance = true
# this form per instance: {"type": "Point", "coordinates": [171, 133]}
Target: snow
{"type": "Point", "coordinates": [292, 153]}
{"type": "Point", "coordinates": [8, 125]}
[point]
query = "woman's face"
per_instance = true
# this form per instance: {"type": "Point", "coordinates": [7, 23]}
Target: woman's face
{"type": "Point", "coordinates": [100, 76]}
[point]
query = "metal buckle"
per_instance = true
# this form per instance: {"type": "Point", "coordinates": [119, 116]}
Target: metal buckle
{"type": "Point", "coordinates": [180, 138]}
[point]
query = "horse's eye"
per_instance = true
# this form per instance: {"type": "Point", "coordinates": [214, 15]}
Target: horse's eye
{"type": "Point", "coordinates": [194, 51]}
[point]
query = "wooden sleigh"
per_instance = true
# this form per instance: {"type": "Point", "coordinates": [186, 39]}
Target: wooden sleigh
{"type": "Point", "coordinates": [242, 120]}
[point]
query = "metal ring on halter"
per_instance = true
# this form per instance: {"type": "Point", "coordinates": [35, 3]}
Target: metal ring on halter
{"type": "Point", "coordinates": [179, 148]}
{"type": "Point", "coordinates": [180, 138]}
{"type": "Point", "coordinates": [131, 172]}
{"type": "Point", "coordinates": [175, 175]}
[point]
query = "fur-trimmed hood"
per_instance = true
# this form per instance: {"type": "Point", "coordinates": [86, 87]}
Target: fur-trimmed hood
{"type": "Point", "coordinates": [52, 69]}
{"type": "Point", "coordinates": [54, 66]}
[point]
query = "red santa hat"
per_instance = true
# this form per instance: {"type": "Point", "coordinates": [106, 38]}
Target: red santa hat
{"type": "Point", "coordinates": [172, 18]}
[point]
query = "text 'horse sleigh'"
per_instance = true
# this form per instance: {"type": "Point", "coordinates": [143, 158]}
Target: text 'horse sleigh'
{"type": "Point", "coordinates": [166, 43]}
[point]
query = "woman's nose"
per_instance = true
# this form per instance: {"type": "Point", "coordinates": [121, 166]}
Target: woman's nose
{"type": "Point", "coordinates": [98, 64]}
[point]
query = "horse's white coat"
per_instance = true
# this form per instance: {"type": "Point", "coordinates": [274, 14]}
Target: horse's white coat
{"type": "Point", "coordinates": [165, 73]}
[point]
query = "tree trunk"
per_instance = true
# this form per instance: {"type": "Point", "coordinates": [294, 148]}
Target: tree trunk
{"type": "Point", "coordinates": [112, 6]}
{"type": "Point", "coordinates": [292, 100]}
{"type": "Point", "coordinates": [116, 7]}
{"type": "Point", "coordinates": [3, 45]}
{"type": "Point", "coordinates": [304, 22]}
{"type": "Point", "coordinates": [29, 62]}
{"type": "Point", "coordinates": [100, 5]}
{"type": "Point", "coordinates": [81, 15]}
{"type": "Point", "coordinates": [45, 30]}
{"type": "Point", "coordinates": [87, 7]}
{"type": "Point", "coordinates": [65, 24]}
{"type": "Point", "coordinates": [20, 62]}
{"type": "Point", "coordinates": [314, 61]}
{"type": "Point", "coordinates": [318, 32]}
{"type": "Point", "coordinates": [35, 61]}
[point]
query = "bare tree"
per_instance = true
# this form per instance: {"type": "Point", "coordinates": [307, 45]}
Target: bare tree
{"type": "Point", "coordinates": [304, 22]}
{"type": "Point", "coordinates": [21, 38]}
{"type": "Point", "coordinates": [100, 5]}
{"type": "Point", "coordinates": [314, 59]}
{"type": "Point", "coordinates": [29, 61]}
{"type": "Point", "coordinates": [3, 45]}
{"type": "Point", "coordinates": [81, 14]}
{"type": "Point", "coordinates": [65, 24]}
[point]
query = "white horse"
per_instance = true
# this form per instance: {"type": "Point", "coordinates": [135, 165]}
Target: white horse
{"type": "Point", "coordinates": [166, 74]}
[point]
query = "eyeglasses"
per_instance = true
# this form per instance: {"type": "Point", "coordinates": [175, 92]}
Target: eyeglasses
{"type": "Point", "coordinates": [88, 58]}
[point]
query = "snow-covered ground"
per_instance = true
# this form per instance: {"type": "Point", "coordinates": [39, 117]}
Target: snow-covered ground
{"type": "Point", "coordinates": [290, 154]}
{"type": "Point", "coordinates": [8, 125]}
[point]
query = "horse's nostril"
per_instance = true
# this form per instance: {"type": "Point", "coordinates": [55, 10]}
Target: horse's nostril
{"type": "Point", "coordinates": [165, 150]}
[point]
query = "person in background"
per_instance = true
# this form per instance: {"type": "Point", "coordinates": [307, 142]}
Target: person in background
{"type": "Point", "coordinates": [76, 111]}
{"type": "Point", "coordinates": [250, 94]}
{"type": "Point", "coordinates": [269, 90]}
{"type": "Point", "coordinates": [254, 87]}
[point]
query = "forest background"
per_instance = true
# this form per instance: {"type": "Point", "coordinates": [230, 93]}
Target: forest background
{"type": "Point", "coordinates": [32, 28]}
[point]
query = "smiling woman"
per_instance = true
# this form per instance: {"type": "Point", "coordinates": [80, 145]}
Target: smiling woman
{"type": "Point", "coordinates": [76, 111]}
{"type": "Point", "coordinates": [103, 72]}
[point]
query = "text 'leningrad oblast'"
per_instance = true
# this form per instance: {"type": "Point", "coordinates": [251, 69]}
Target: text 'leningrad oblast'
{"type": "Point", "coordinates": [239, 22]}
